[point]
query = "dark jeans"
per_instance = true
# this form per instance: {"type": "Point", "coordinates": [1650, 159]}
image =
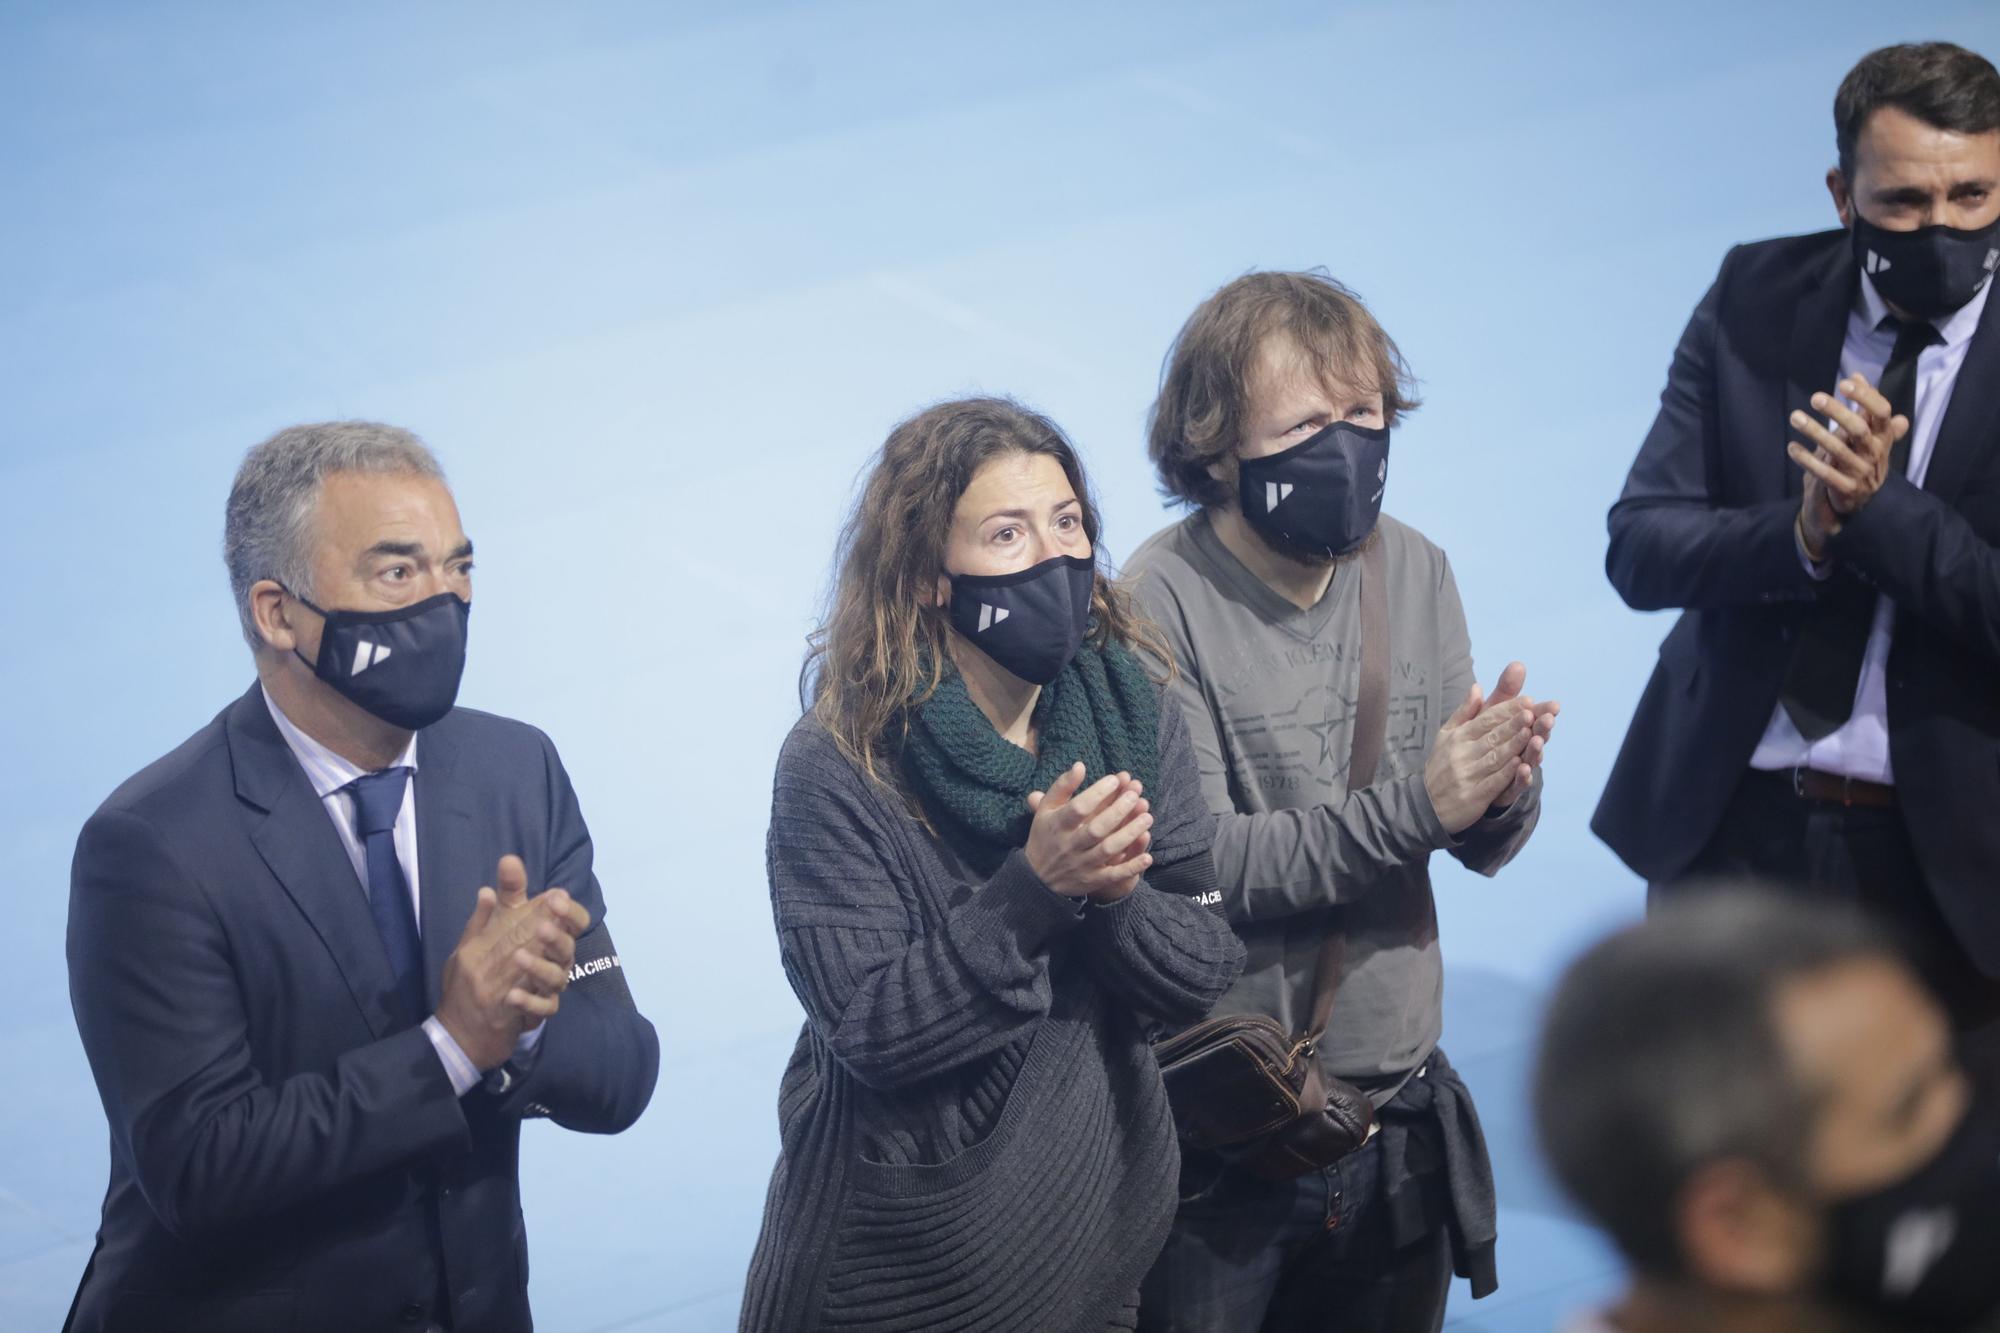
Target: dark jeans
{"type": "Point", "coordinates": [1255, 1256]}
{"type": "Point", "coordinates": [1860, 857]}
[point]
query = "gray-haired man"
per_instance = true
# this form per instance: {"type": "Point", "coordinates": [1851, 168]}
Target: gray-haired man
{"type": "Point", "coordinates": [314, 1033]}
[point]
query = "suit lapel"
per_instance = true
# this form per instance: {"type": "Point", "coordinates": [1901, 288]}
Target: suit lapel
{"type": "Point", "coordinates": [447, 860]}
{"type": "Point", "coordinates": [1819, 327]}
{"type": "Point", "coordinates": [297, 840]}
{"type": "Point", "coordinates": [1967, 432]}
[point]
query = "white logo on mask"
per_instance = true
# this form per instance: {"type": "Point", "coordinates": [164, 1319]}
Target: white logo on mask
{"type": "Point", "coordinates": [367, 655]}
{"type": "Point", "coordinates": [1275, 491]}
{"type": "Point", "coordinates": [1876, 263]}
{"type": "Point", "coordinates": [989, 616]}
{"type": "Point", "coordinates": [1918, 1240]}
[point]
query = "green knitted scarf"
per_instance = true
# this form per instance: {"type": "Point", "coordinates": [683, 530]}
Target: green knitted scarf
{"type": "Point", "coordinates": [1102, 709]}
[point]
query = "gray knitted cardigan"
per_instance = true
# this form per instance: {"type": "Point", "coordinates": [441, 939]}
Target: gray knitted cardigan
{"type": "Point", "coordinates": [974, 1135]}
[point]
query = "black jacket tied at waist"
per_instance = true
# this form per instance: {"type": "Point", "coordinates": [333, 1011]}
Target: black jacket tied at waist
{"type": "Point", "coordinates": [1428, 1126]}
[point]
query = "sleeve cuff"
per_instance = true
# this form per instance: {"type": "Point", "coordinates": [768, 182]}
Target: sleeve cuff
{"type": "Point", "coordinates": [499, 1082]}
{"type": "Point", "coordinates": [1819, 569]}
{"type": "Point", "coordinates": [457, 1064]}
{"type": "Point", "coordinates": [1886, 518]}
{"type": "Point", "coordinates": [1030, 909]}
{"type": "Point", "coordinates": [1115, 919]}
{"type": "Point", "coordinates": [1433, 828]}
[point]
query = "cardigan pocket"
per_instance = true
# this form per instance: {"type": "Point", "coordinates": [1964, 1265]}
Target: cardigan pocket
{"type": "Point", "coordinates": [922, 1247]}
{"type": "Point", "coordinates": [1048, 1050]}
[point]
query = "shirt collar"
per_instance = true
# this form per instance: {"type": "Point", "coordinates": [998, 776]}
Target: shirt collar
{"type": "Point", "coordinates": [1959, 326]}
{"type": "Point", "coordinates": [327, 771]}
{"type": "Point", "coordinates": [1964, 321]}
{"type": "Point", "coordinates": [1868, 304]}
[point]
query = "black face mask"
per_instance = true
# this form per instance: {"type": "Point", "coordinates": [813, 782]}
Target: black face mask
{"type": "Point", "coordinates": [1931, 271]}
{"type": "Point", "coordinates": [403, 665]}
{"type": "Point", "coordinates": [1032, 621]}
{"type": "Point", "coordinates": [1320, 498]}
{"type": "Point", "coordinates": [1925, 1251]}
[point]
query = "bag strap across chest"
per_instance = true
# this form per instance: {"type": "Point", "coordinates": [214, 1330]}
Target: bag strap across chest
{"type": "Point", "coordinates": [1371, 730]}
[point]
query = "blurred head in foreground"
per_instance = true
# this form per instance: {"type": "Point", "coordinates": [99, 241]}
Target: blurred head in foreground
{"type": "Point", "coordinates": [1760, 1104]}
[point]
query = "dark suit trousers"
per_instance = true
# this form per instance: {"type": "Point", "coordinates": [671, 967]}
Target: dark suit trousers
{"type": "Point", "coordinates": [1860, 857]}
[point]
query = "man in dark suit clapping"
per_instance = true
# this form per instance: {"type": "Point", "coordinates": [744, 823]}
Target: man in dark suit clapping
{"type": "Point", "coordinates": [314, 1033]}
{"type": "Point", "coordinates": [1820, 493]}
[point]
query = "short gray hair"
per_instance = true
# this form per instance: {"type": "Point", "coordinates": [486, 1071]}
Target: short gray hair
{"type": "Point", "coordinates": [267, 529]}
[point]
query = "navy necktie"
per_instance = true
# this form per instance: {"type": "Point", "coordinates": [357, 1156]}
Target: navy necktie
{"type": "Point", "coordinates": [378, 799]}
{"type": "Point", "coordinates": [1818, 693]}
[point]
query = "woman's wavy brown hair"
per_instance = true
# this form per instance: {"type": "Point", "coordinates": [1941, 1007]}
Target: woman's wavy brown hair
{"type": "Point", "coordinates": [882, 647]}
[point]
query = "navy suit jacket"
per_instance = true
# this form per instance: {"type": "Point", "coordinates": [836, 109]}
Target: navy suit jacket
{"type": "Point", "coordinates": [1705, 524]}
{"type": "Point", "coordinates": [286, 1150]}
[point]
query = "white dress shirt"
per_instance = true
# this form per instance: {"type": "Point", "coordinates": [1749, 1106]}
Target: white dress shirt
{"type": "Point", "coordinates": [1859, 748]}
{"type": "Point", "coordinates": [330, 775]}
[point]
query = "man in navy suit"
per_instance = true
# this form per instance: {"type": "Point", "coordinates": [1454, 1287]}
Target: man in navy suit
{"type": "Point", "coordinates": [1820, 493]}
{"type": "Point", "coordinates": [314, 1032]}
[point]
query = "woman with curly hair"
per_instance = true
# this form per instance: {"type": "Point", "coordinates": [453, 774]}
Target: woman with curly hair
{"type": "Point", "coordinates": [990, 873]}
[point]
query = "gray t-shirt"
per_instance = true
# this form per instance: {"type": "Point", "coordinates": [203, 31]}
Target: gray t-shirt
{"type": "Point", "coordinates": [1269, 695]}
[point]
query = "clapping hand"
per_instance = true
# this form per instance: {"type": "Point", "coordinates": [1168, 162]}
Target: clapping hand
{"type": "Point", "coordinates": [1544, 726]}
{"type": "Point", "coordinates": [1090, 843]}
{"type": "Point", "coordinates": [1851, 461]}
{"type": "Point", "coordinates": [511, 965]}
{"type": "Point", "coordinates": [1487, 751]}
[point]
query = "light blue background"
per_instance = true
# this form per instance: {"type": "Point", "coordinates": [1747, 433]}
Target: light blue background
{"type": "Point", "coordinates": [655, 280]}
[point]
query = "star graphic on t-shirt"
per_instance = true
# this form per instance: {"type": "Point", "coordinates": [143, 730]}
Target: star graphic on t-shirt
{"type": "Point", "coordinates": [1324, 730]}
